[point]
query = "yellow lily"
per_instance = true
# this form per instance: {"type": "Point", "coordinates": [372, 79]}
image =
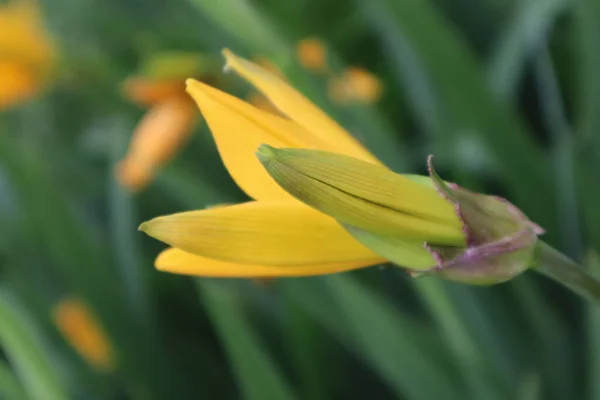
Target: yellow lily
{"type": "Point", "coordinates": [285, 164]}
{"type": "Point", "coordinates": [275, 235]}
{"type": "Point", "coordinates": [27, 53]}
{"type": "Point", "coordinates": [76, 323]}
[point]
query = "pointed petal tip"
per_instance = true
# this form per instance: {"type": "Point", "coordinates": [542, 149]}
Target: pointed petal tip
{"type": "Point", "coordinates": [229, 58]}
{"type": "Point", "coordinates": [193, 84]}
{"type": "Point", "coordinates": [143, 227]}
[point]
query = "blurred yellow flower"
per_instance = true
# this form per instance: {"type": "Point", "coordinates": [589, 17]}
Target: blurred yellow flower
{"type": "Point", "coordinates": [77, 324]}
{"type": "Point", "coordinates": [355, 85]}
{"type": "Point", "coordinates": [312, 54]}
{"type": "Point", "coordinates": [27, 53]}
{"type": "Point", "coordinates": [168, 124]}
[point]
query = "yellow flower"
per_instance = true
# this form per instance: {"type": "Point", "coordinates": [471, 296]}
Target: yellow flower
{"type": "Point", "coordinates": [27, 54]}
{"type": "Point", "coordinates": [275, 235]}
{"type": "Point", "coordinates": [75, 321]}
{"type": "Point", "coordinates": [169, 122]}
{"type": "Point", "coordinates": [312, 54]}
{"type": "Point", "coordinates": [360, 213]}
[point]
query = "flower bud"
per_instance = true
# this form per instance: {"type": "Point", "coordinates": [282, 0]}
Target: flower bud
{"type": "Point", "coordinates": [364, 195]}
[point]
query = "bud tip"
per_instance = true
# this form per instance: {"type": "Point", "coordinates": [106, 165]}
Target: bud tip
{"type": "Point", "coordinates": [265, 153]}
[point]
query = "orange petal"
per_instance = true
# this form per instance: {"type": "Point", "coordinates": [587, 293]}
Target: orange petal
{"type": "Point", "coordinates": [17, 84]}
{"type": "Point", "coordinates": [80, 328]}
{"type": "Point", "coordinates": [158, 136]}
{"type": "Point", "coordinates": [23, 37]}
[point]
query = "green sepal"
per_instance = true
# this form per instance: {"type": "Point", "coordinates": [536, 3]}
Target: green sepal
{"type": "Point", "coordinates": [405, 253]}
{"type": "Point", "coordinates": [500, 238]}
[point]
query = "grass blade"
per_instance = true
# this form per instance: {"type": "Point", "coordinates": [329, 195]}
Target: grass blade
{"type": "Point", "coordinates": [257, 375]}
{"type": "Point", "coordinates": [587, 65]}
{"type": "Point", "coordinates": [24, 347]}
{"type": "Point", "coordinates": [10, 387]}
{"type": "Point", "coordinates": [243, 21]}
{"type": "Point", "coordinates": [399, 349]}
{"type": "Point", "coordinates": [562, 150]}
{"type": "Point", "coordinates": [530, 23]}
{"type": "Point", "coordinates": [593, 335]}
{"type": "Point", "coordinates": [467, 104]}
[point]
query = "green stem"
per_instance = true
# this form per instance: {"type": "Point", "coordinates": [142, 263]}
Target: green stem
{"type": "Point", "coordinates": [567, 272]}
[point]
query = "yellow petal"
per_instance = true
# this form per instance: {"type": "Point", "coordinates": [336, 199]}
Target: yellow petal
{"type": "Point", "coordinates": [297, 107]}
{"type": "Point", "coordinates": [16, 84]}
{"type": "Point", "coordinates": [261, 233]}
{"type": "Point", "coordinates": [159, 135]}
{"type": "Point", "coordinates": [239, 128]}
{"type": "Point", "coordinates": [179, 262]}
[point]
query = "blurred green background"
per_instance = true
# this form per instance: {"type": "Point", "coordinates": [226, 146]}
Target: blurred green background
{"type": "Point", "coordinates": [505, 93]}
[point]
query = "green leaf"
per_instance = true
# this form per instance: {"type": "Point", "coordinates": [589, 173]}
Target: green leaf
{"type": "Point", "coordinates": [484, 379]}
{"type": "Point", "coordinates": [529, 24]}
{"type": "Point", "coordinates": [550, 336]}
{"type": "Point", "coordinates": [68, 243]}
{"type": "Point", "coordinates": [309, 351]}
{"type": "Point", "coordinates": [402, 351]}
{"type": "Point", "coordinates": [587, 64]}
{"type": "Point", "coordinates": [562, 150]}
{"type": "Point", "coordinates": [530, 387]}
{"type": "Point", "coordinates": [245, 22]}
{"type": "Point", "coordinates": [10, 387]}
{"type": "Point", "coordinates": [465, 105]}
{"type": "Point", "coordinates": [593, 335]}
{"type": "Point", "coordinates": [386, 338]}
{"type": "Point", "coordinates": [124, 223]}
{"type": "Point", "coordinates": [25, 349]}
{"type": "Point", "coordinates": [257, 374]}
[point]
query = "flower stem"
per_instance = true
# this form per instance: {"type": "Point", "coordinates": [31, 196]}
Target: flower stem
{"type": "Point", "coordinates": [565, 271]}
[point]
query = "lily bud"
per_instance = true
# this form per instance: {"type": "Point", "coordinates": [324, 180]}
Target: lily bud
{"type": "Point", "coordinates": [416, 222]}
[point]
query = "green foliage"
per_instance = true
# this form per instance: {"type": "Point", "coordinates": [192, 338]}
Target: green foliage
{"type": "Point", "coordinates": [505, 93]}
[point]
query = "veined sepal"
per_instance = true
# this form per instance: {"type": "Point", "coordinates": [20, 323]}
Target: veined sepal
{"type": "Point", "coordinates": [500, 238]}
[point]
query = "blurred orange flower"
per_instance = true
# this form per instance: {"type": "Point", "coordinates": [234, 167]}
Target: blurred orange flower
{"type": "Point", "coordinates": [312, 54]}
{"type": "Point", "coordinates": [168, 124]}
{"type": "Point", "coordinates": [27, 53]}
{"type": "Point", "coordinates": [75, 321]}
{"type": "Point", "coordinates": [355, 85]}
